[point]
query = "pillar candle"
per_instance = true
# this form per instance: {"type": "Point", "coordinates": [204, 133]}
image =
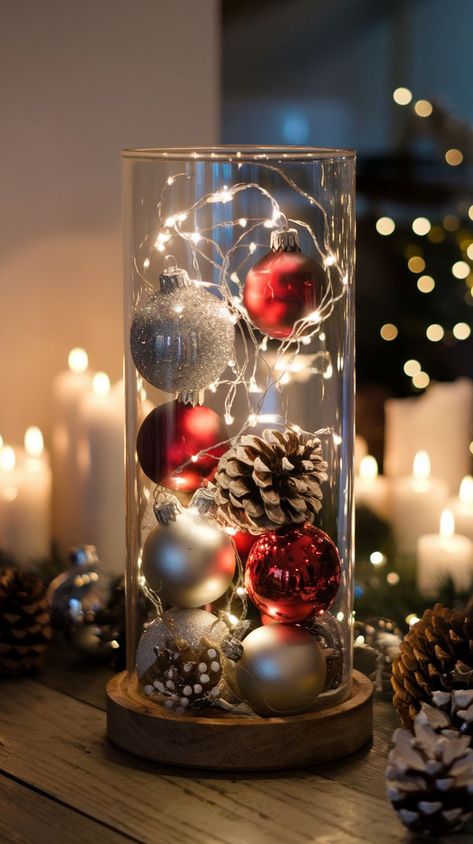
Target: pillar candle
{"type": "Point", "coordinates": [462, 508]}
{"type": "Point", "coordinates": [416, 504]}
{"type": "Point", "coordinates": [372, 490]}
{"type": "Point", "coordinates": [442, 555]}
{"type": "Point", "coordinates": [25, 500]}
{"type": "Point", "coordinates": [69, 388]}
{"type": "Point", "coordinates": [102, 468]}
{"type": "Point", "coordinates": [421, 423]}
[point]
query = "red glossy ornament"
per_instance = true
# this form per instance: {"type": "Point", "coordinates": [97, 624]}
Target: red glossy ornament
{"type": "Point", "coordinates": [283, 287]}
{"type": "Point", "coordinates": [168, 438]}
{"type": "Point", "coordinates": [293, 573]}
{"type": "Point", "coordinates": [244, 543]}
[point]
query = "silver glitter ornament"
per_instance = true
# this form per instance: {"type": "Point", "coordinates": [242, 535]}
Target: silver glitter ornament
{"type": "Point", "coordinates": [190, 625]}
{"type": "Point", "coordinates": [282, 670]}
{"type": "Point", "coordinates": [190, 561]}
{"type": "Point", "coordinates": [182, 338]}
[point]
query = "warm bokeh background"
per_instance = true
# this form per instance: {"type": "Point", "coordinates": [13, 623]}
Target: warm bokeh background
{"type": "Point", "coordinates": [79, 82]}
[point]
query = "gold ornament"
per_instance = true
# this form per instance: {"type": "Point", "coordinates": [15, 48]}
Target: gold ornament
{"type": "Point", "coordinates": [189, 562]}
{"type": "Point", "coordinates": [270, 481]}
{"type": "Point", "coordinates": [282, 670]}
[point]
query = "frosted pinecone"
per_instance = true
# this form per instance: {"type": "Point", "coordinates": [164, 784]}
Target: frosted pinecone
{"type": "Point", "coordinates": [430, 775]}
{"type": "Point", "coordinates": [270, 481]}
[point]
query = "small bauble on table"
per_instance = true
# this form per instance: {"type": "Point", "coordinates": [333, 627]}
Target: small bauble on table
{"type": "Point", "coordinates": [239, 376]}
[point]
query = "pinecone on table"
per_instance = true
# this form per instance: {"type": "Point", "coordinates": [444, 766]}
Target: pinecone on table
{"type": "Point", "coordinates": [436, 654]}
{"type": "Point", "coordinates": [270, 481]}
{"type": "Point", "coordinates": [25, 624]}
{"type": "Point", "coordinates": [430, 776]}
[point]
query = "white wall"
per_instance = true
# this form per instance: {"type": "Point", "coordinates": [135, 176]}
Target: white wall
{"type": "Point", "coordinates": [79, 81]}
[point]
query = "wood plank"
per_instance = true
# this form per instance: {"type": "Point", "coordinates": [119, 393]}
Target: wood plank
{"type": "Point", "coordinates": [54, 743]}
{"type": "Point", "coordinates": [27, 817]}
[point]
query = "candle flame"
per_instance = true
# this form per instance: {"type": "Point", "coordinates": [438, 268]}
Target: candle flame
{"type": "Point", "coordinates": [78, 360]}
{"type": "Point", "coordinates": [369, 467]}
{"type": "Point", "coordinates": [100, 384]}
{"type": "Point", "coordinates": [447, 524]}
{"type": "Point", "coordinates": [34, 442]}
{"type": "Point", "coordinates": [7, 459]}
{"type": "Point", "coordinates": [421, 466]}
{"type": "Point", "coordinates": [466, 490]}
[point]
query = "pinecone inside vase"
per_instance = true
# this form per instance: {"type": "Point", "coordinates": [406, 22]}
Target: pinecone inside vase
{"type": "Point", "coordinates": [436, 654]}
{"type": "Point", "coordinates": [270, 481]}
{"type": "Point", "coordinates": [183, 676]}
{"type": "Point", "coordinates": [25, 624]}
{"type": "Point", "coordinates": [430, 776]}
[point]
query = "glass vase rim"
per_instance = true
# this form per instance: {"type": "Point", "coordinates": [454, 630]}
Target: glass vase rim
{"type": "Point", "coordinates": [243, 152]}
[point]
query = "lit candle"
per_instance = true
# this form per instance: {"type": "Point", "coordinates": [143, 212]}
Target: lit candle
{"type": "Point", "coordinates": [462, 508]}
{"type": "Point", "coordinates": [442, 555]}
{"type": "Point", "coordinates": [416, 504]}
{"type": "Point", "coordinates": [371, 490]}
{"type": "Point", "coordinates": [102, 468]}
{"type": "Point", "coordinates": [25, 500]}
{"type": "Point", "coordinates": [69, 388]}
{"type": "Point", "coordinates": [361, 450]}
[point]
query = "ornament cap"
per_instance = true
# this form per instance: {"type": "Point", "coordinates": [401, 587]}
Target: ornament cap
{"type": "Point", "coordinates": [173, 277]}
{"type": "Point", "coordinates": [285, 240]}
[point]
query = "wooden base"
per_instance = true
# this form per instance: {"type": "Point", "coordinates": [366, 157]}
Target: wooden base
{"type": "Point", "coordinates": [226, 742]}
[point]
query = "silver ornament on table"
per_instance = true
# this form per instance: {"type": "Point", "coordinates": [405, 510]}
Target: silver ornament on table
{"type": "Point", "coordinates": [180, 659]}
{"type": "Point", "coordinates": [282, 670]}
{"type": "Point", "coordinates": [73, 595]}
{"type": "Point", "coordinates": [376, 643]}
{"type": "Point", "coordinates": [190, 561]}
{"type": "Point", "coordinates": [183, 337]}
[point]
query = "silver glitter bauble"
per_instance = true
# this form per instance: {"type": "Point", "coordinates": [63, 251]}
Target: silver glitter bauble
{"type": "Point", "coordinates": [189, 625]}
{"type": "Point", "coordinates": [190, 562]}
{"type": "Point", "coordinates": [282, 670]}
{"type": "Point", "coordinates": [182, 338]}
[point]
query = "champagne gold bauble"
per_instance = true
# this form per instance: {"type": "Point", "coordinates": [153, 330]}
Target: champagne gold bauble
{"type": "Point", "coordinates": [282, 670]}
{"type": "Point", "coordinates": [190, 562]}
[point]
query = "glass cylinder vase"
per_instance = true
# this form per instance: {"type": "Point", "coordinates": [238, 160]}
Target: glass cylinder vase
{"type": "Point", "coordinates": [239, 351]}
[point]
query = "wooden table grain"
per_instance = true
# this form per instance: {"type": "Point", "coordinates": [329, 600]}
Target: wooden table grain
{"type": "Point", "coordinates": [61, 782]}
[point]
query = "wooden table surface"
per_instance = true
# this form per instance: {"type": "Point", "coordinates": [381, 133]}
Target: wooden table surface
{"type": "Point", "coordinates": [61, 782]}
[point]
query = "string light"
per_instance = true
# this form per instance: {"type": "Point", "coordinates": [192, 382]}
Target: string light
{"type": "Point", "coordinates": [389, 331]}
{"type": "Point", "coordinates": [416, 264]}
{"type": "Point", "coordinates": [451, 223]}
{"type": "Point", "coordinates": [423, 108]}
{"type": "Point", "coordinates": [425, 283]}
{"type": "Point", "coordinates": [454, 157]}
{"type": "Point", "coordinates": [393, 578]}
{"type": "Point", "coordinates": [412, 619]}
{"type": "Point", "coordinates": [34, 441]}
{"type": "Point", "coordinates": [460, 269]}
{"type": "Point", "coordinates": [402, 96]}
{"type": "Point", "coordinates": [421, 226]}
{"type": "Point", "coordinates": [470, 212]}
{"type": "Point", "coordinates": [7, 459]}
{"type": "Point", "coordinates": [412, 367]}
{"type": "Point", "coordinates": [469, 251]}
{"type": "Point", "coordinates": [78, 360]}
{"type": "Point", "coordinates": [385, 226]}
{"type": "Point", "coordinates": [378, 559]}
{"type": "Point", "coordinates": [421, 380]}
{"type": "Point", "coordinates": [435, 333]}
{"type": "Point", "coordinates": [461, 331]}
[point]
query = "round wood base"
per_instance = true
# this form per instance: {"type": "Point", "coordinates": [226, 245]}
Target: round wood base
{"type": "Point", "coordinates": [226, 742]}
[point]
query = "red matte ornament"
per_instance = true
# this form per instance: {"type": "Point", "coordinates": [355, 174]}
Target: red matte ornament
{"type": "Point", "coordinates": [293, 573]}
{"type": "Point", "coordinates": [283, 287]}
{"type": "Point", "coordinates": [168, 438]}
